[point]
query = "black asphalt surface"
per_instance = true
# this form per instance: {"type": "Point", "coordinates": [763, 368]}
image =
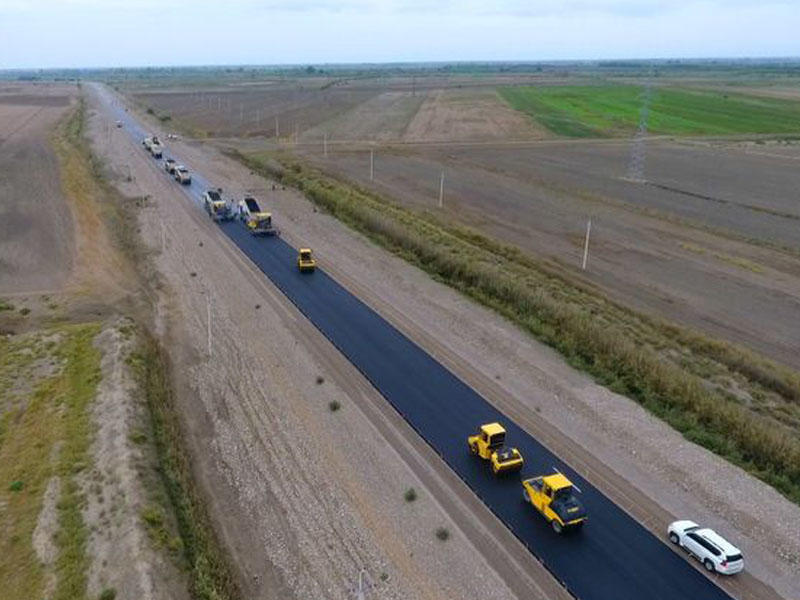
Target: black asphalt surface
{"type": "Point", "coordinates": [612, 558]}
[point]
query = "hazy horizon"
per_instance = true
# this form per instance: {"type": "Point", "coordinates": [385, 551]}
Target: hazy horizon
{"type": "Point", "coordinates": [142, 33]}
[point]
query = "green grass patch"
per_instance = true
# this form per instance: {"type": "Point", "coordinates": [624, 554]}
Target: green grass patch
{"type": "Point", "coordinates": [5, 305]}
{"type": "Point", "coordinates": [54, 410]}
{"type": "Point", "coordinates": [608, 110]}
{"type": "Point", "coordinates": [679, 375]}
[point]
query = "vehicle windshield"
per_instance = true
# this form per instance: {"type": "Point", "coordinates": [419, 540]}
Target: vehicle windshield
{"type": "Point", "coordinates": [564, 492]}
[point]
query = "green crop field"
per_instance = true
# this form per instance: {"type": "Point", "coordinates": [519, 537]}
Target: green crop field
{"type": "Point", "coordinates": [610, 110]}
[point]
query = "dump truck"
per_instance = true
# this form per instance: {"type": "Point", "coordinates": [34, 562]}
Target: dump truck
{"type": "Point", "coordinates": [257, 221]}
{"type": "Point", "coordinates": [554, 497]}
{"type": "Point", "coordinates": [489, 444]}
{"type": "Point", "coordinates": [216, 206]}
{"type": "Point", "coordinates": [305, 260]}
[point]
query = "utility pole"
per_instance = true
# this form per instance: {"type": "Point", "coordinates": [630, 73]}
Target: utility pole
{"type": "Point", "coordinates": [208, 313]}
{"type": "Point", "coordinates": [586, 245]}
{"type": "Point", "coordinates": [371, 165]}
{"type": "Point", "coordinates": [441, 190]}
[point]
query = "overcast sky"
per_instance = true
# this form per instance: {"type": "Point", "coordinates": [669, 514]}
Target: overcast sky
{"type": "Point", "coordinates": [85, 33]}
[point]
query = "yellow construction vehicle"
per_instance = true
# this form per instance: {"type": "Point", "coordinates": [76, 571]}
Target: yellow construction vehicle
{"type": "Point", "coordinates": [305, 261]}
{"type": "Point", "coordinates": [554, 497]}
{"type": "Point", "coordinates": [257, 221]}
{"type": "Point", "coordinates": [489, 444]}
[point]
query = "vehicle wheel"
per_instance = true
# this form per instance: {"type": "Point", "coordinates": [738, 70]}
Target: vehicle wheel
{"type": "Point", "coordinates": [525, 495]}
{"type": "Point", "coordinates": [556, 526]}
{"type": "Point", "coordinates": [673, 537]}
{"type": "Point", "coordinates": [495, 470]}
{"type": "Point", "coordinates": [709, 565]}
{"type": "Point", "coordinates": [473, 448]}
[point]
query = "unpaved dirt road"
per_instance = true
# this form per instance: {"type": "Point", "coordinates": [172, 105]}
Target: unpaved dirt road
{"type": "Point", "coordinates": [258, 386]}
{"type": "Point", "coordinates": [36, 229]}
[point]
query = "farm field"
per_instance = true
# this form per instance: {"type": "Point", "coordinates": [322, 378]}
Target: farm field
{"type": "Point", "coordinates": [668, 252]}
{"type": "Point", "coordinates": [431, 108]}
{"type": "Point", "coordinates": [609, 110]}
{"type": "Point", "coordinates": [36, 241]}
{"type": "Point", "coordinates": [717, 219]}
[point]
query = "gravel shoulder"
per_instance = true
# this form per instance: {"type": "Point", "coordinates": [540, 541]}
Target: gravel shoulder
{"type": "Point", "coordinates": [633, 457]}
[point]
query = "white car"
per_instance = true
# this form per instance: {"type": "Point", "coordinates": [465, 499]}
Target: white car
{"type": "Point", "coordinates": [182, 175]}
{"type": "Point", "coordinates": [716, 553]}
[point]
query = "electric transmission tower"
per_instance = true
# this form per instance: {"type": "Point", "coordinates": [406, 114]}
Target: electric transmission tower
{"type": "Point", "coordinates": [638, 150]}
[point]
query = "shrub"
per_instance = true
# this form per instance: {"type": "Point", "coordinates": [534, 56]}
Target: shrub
{"type": "Point", "coordinates": [442, 534]}
{"type": "Point", "coordinates": [410, 495]}
{"type": "Point", "coordinates": [108, 594]}
{"type": "Point", "coordinates": [334, 405]}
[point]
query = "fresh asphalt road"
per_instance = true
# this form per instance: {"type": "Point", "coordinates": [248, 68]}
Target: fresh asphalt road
{"type": "Point", "coordinates": [612, 558]}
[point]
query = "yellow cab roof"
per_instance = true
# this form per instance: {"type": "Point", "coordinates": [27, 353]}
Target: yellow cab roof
{"type": "Point", "coordinates": [303, 250]}
{"type": "Point", "coordinates": [556, 481]}
{"type": "Point", "coordinates": [491, 429]}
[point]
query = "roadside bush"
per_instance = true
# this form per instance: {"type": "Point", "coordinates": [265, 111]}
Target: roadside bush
{"type": "Point", "coordinates": [410, 495]}
{"type": "Point", "coordinates": [108, 594]}
{"type": "Point", "coordinates": [442, 534]}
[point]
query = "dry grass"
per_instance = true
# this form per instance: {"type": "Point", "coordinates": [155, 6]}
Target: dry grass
{"type": "Point", "coordinates": [683, 377]}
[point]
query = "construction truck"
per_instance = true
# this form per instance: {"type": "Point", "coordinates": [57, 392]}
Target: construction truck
{"type": "Point", "coordinates": [305, 261]}
{"type": "Point", "coordinates": [554, 497]}
{"type": "Point", "coordinates": [169, 166]}
{"type": "Point", "coordinates": [156, 147]}
{"type": "Point", "coordinates": [153, 145]}
{"type": "Point", "coordinates": [257, 221]}
{"type": "Point", "coordinates": [216, 206]}
{"type": "Point", "coordinates": [489, 444]}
